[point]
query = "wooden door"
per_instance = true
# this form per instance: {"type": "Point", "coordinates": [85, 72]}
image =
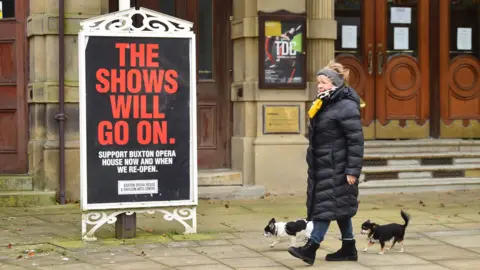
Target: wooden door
{"type": "Point", "coordinates": [212, 25]}
{"type": "Point", "coordinates": [460, 69]}
{"type": "Point", "coordinates": [390, 66]}
{"type": "Point", "coordinates": [403, 69]}
{"type": "Point", "coordinates": [211, 20]}
{"type": "Point", "coordinates": [354, 48]}
{"type": "Point", "coordinates": [13, 121]}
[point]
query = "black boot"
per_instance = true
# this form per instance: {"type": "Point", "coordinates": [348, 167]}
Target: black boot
{"type": "Point", "coordinates": [348, 252]}
{"type": "Point", "coordinates": [306, 253]}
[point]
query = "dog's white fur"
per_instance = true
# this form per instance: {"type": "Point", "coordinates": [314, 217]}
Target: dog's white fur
{"type": "Point", "coordinates": [281, 233]}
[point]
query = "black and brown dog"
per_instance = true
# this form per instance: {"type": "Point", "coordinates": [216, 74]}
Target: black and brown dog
{"type": "Point", "coordinates": [384, 233]}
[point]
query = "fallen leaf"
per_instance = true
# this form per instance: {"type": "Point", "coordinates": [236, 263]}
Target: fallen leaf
{"type": "Point", "coordinates": [19, 257]}
{"type": "Point", "coordinates": [149, 230]}
{"type": "Point", "coordinates": [9, 246]}
{"type": "Point", "coordinates": [31, 253]}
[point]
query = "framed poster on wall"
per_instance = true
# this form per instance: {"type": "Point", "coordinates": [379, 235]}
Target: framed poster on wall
{"type": "Point", "coordinates": [282, 50]}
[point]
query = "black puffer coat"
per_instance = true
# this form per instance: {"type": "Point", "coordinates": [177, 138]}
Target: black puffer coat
{"type": "Point", "coordinates": [335, 151]}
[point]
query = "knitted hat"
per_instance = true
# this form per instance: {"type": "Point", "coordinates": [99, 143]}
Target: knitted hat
{"type": "Point", "coordinates": [336, 78]}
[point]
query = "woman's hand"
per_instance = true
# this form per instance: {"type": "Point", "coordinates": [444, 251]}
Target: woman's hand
{"type": "Point", "coordinates": [351, 179]}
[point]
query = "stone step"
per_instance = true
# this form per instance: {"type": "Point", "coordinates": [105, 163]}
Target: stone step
{"type": "Point", "coordinates": [219, 177]}
{"type": "Point", "coordinates": [379, 169]}
{"type": "Point", "coordinates": [231, 192]}
{"type": "Point", "coordinates": [26, 198]}
{"type": "Point", "coordinates": [416, 171]}
{"type": "Point", "coordinates": [419, 185]}
{"type": "Point", "coordinates": [446, 158]}
{"type": "Point", "coordinates": [16, 182]}
{"type": "Point", "coordinates": [421, 146]}
{"type": "Point", "coordinates": [419, 155]}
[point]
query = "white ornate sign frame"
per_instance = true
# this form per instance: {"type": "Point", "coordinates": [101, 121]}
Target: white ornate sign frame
{"type": "Point", "coordinates": [120, 24]}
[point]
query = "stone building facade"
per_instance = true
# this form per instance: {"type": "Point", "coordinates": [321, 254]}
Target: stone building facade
{"type": "Point", "coordinates": [430, 88]}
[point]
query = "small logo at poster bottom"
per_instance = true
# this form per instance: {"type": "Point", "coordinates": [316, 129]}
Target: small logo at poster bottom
{"type": "Point", "coordinates": [136, 187]}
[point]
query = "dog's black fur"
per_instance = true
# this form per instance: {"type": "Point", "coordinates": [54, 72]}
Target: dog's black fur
{"type": "Point", "coordinates": [384, 233]}
{"type": "Point", "coordinates": [291, 227]}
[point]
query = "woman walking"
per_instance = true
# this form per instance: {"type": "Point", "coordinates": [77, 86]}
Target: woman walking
{"type": "Point", "coordinates": [335, 159]}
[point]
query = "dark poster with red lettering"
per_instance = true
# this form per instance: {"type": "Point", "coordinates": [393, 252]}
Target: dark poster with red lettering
{"type": "Point", "coordinates": [137, 119]}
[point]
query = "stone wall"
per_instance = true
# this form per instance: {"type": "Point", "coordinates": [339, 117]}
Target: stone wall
{"type": "Point", "coordinates": [275, 161]}
{"type": "Point", "coordinates": [42, 32]}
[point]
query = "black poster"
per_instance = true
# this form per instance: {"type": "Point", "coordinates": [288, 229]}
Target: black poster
{"type": "Point", "coordinates": [137, 119]}
{"type": "Point", "coordinates": [283, 58]}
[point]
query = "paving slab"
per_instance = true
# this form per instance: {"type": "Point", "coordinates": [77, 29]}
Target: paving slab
{"type": "Point", "coordinates": [430, 266]}
{"type": "Point", "coordinates": [464, 226]}
{"type": "Point", "coordinates": [75, 266]}
{"type": "Point", "coordinates": [184, 260]}
{"type": "Point", "coordinates": [441, 252]}
{"type": "Point", "coordinates": [461, 264]}
{"type": "Point", "coordinates": [206, 267]}
{"type": "Point", "coordinates": [444, 233]}
{"type": "Point", "coordinates": [463, 241]}
{"type": "Point", "coordinates": [227, 252]}
{"type": "Point", "coordinates": [257, 261]}
{"type": "Point", "coordinates": [371, 259]}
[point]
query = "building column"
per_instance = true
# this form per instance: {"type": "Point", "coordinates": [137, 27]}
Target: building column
{"type": "Point", "coordinates": [276, 161]}
{"type": "Point", "coordinates": [43, 101]}
{"type": "Point", "coordinates": [321, 35]}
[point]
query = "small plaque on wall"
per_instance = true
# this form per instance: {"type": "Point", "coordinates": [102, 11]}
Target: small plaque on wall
{"type": "Point", "coordinates": [281, 119]}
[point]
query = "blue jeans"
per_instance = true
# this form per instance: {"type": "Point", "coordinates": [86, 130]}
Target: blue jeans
{"type": "Point", "coordinates": [320, 229]}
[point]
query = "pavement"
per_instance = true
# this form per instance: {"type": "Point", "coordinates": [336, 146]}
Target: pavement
{"type": "Point", "coordinates": [444, 233]}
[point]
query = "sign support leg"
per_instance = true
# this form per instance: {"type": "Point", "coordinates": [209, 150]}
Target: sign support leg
{"type": "Point", "coordinates": [126, 226]}
{"type": "Point", "coordinates": [184, 216]}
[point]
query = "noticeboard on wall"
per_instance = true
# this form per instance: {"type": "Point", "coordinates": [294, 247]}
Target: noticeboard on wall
{"type": "Point", "coordinates": [281, 119]}
{"type": "Point", "coordinates": [282, 50]}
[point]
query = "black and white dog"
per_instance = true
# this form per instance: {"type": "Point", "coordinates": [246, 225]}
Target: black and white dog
{"type": "Point", "coordinates": [288, 229]}
{"type": "Point", "coordinates": [384, 233]}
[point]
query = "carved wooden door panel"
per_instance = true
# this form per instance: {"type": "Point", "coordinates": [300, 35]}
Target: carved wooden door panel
{"type": "Point", "coordinates": [354, 49]}
{"type": "Point", "coordinates": [402, 69]}
{"type": "Point", "coordinates": [13, 121]}
{"type": "Point", "coordinates": [460, 69]}
{"type": "Point", "coordinates": [214, 117]}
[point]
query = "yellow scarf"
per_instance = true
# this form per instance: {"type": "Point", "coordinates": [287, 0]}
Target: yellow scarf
{"type": "Point", "coordinates": [317, 104]}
